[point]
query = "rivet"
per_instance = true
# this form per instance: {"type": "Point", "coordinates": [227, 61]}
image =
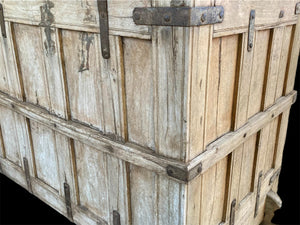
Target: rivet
{"type": "Point", "coordinates": [281, 14]}
{"type": "Point", "coordinates": [199, 168]}
{"type": "Point", "coordinates": [245, 135]}
{"type": "Point", "coordinates": [167, 18]}
{"type": "Point", "coordinates": [252, 16]}
{"type": "Point", "coordinates": [203, 17]}
{"type": "Point", "coordinates": [170, 171]}
{"type": "Point", "coordinates": [250, 45]}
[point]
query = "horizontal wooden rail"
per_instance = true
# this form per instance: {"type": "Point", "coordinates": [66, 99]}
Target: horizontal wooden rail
{"type": "Point", "coordinates": [226, 144]}
{"type": "Point", "coordinates": [144, 157]}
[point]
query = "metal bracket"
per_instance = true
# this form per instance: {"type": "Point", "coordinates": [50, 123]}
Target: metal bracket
{"type": "Point", "coordinates": [258, 193]}
{"type": "Point", "coordinates": [104, 30]}
{"type": "Point", "coordinates": [2, 22]}
{"type": "Point", "coordinates": [297, 10]}
{"type": "Point", "coordinates": [116, 218]}
{"type": "Point", "coordinates": [184, 174]}
{"type": "Point", "coordinates": [232, 212]}
{"type": "Point", "coordinates": [178, 16]}
{"type": "Point", "coordinates": [251, 30]}
{"type": "Point", "coordinates": [68, 201]}
{"type": "Point", "coordinates": [27, 174]}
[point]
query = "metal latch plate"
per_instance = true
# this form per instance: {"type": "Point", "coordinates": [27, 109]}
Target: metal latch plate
{"type": "Point", "coordinates": [178, 16]}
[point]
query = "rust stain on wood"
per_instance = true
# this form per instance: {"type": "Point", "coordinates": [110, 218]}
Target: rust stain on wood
{"type": "Point", "coordinates": [84, 53]}
{"type": "Point", "coordinates": [47, 19]}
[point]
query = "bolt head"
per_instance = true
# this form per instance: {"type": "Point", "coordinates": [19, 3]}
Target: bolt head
{"type": "Point", "coordinates": [250, 45]}
{"type": "Point", "coordinates": [221, 14]}
{"type": "Point", "coordinates": [281, 14]}
{"type": "Point", "coordinates": [203, 17]}
{"type": "Point", "coordinates": [167, 18]}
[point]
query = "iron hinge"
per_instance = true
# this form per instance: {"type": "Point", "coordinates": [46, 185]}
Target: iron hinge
{"type": "Point", "coordinates": [2, 22]}
{"type": "Point", "coordinates": [232, 212]}
{"type": "Point", "coordinates": [178, 16]}
{"type": "Point", "coordinates": [104, 30]}
{"type": "Point", "coordinates": [116, 218]}
{"type": "Point", "coordinates": [68, 201]}
{"type": "Point", "coordinates": [251, 30]}
{"type": "Point", "coordinates": [27, 174]}
{"type": "Point", "coordinates": [258, 193]}
{"type": "Point", "coordinates": [297, 10]}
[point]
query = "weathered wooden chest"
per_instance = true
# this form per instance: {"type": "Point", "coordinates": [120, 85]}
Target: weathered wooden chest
{"type": "Point", "coordinates": [148, 112]}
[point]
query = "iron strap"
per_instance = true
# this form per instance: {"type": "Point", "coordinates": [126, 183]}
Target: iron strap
{"type": "Point", "coordinates": [178, 16]}
{"type": "Point", "coordinates": [2, 22]}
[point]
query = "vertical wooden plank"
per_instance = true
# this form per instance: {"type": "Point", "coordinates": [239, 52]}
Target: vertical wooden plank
{"type": "Point", "coordinates": [260, 62]}
{"type": "Point", "coordinates": [45, 147]}
{"type": "Point", "coordinates": [92, 180]}
{"type": "Point", "coordinates": [139, 91]}
{"type": "Point", "coordinates": [229, 47]}
{"type": "Point", "coordinates": [279, 91]}
{"type": "Point", "coordinates": [117, 187]}
{"type": "Point", "coordinates": [143, 196]}
{"type": "Point", "coordinates": [10, 136]}
{"type": "Point", "coordinates": [140, 104]}
{"type": "Point", "coordinates": [243, 157]}
{"type": "Point", "coordinates": [288, 87]}
{"type": "Point", "coordinates": [10, 82]}
{"type": "Point", "coordinates": [269, 95]}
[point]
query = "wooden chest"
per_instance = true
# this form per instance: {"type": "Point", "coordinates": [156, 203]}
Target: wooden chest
{"type": "Point", "coordinates": [141, 112]}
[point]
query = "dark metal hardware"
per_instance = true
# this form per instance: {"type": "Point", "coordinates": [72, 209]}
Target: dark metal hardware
{"type": "Point", "coordinates": [104, 30]}
{"type": "Point", "coordinates": [178, 16]}
{"type": "Point", "coordinates": [251, 30]}
{"type": "Point", "coordinates": [27, 174]}
{"type": "Point", "coordinates": [68, 201]}
{"type": "Point", "coordinates": [297, 10]}
{"type": "Point", "coordinates": [275, 175]}
{"type": "Point", "coordinates": [258, 193]}
{"type": "Point", "coordinates": [116, 218]}
{"type": "Point", "coordinates": [184, 174]}
{"type": "Point", "coordinates": [232, 212]}
{"type": "Point", "coordinates": [2, 22]}
{"type": "Point", "coordinates": [281, 14]}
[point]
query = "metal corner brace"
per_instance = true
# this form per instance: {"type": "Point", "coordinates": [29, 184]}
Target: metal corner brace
{"type": "Point", "coordinates": [104, 29]}
{"type": "Point", "coordinates": [178, 16]}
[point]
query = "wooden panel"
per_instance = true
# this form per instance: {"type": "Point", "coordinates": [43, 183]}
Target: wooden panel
{"type": "Point", "coordinates": [14, 135]}
{"type": "Point", "coordinates": [39, 54]}
{"type": "Point", "coordinates": [9, 77]}
{"type": "Point", "coordinates": [77, 15]}
{"type": "Point", "coordinates": [288, 86]}
{"type": "Point", "coordinates": [95, 85]}
{"type": "Point", "coordinates": [237, 14]}
{"type": "Point", "coordinates": [102, 183]}
{"type": "Point", "coordinates": [287, 31]}
{"type": "Point", "coordinates": [45, 151]}
{"type": "Point", "coordinates": [139, 91]}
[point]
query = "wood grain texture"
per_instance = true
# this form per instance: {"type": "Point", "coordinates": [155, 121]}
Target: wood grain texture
{"type": "Point", "coordinates": [77, 15]}
{"type": "Point", "coordinates": [9, 76]}
{"type": "Point", "coordinates": [95, 84]}
{"type": "Point", "coordinates": [41, 67]}
{"type": "Point", "coordinates": [139, 85]}
{"type": "Point", "coordinates": [236, 18]}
